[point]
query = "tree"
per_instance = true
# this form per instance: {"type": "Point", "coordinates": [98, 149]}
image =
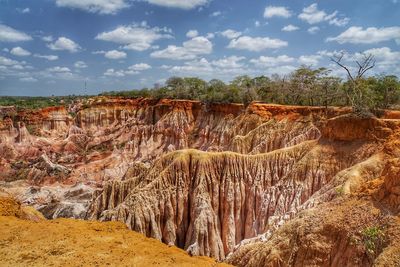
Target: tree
{"type": "Point", "coordinates": [246, 87]}
{"type": "Point", "coordinates": [356, 93]}
{"type": "Point", "coordinates": [386, 91]}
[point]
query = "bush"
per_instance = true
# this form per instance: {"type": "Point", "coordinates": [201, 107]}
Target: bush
{"type": "Point", "coordinates": [373, 238]}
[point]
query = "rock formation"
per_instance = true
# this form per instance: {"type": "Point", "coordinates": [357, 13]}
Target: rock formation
{"type": "Point", "coordinates": [216, 180]}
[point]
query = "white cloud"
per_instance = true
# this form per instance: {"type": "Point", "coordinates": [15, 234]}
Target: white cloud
{"type": "Point", "coordinates": [114, 73]}
{"type": "Point", "coordinates": [223, 68]}
{"type": "Point", "coordinates": [313, 30]}
{"type": "Point", "coordinates": [183, 4]}
{"type": "Point", "coordinates": [229, 62]}
{"type": "Point", "coordinates": [339, 22]}
{"type": "Point", "coordinates": [386, 59]}
{"type": "Point", "coordinates": [216, 14]}
{"type": "Point", "coordinates": [135, 37]}
{"type": "Point", "coordinates": [276, 11]}
{"type": "Point", "coordinates": [64, 43]}
{"type": "Point", "coordinates": [80, 65]}
{"type": "Point", "coordinates": [140, 67]}
{"type": "Point", "coordinates": [264, 61]}
{"type": "Point", "coordinates": [192, 33]}
{"type": "Point", "coordinates": [8, 34]}
{"type": "Point", "coordinates": [115, 54]}
{"type": "Point", "coordinates": [48, 57]}
{"type": "Point", "coordinates": [95, 6]}
{"type": "Point", "coordinates": [59, 69]}
{"type": "Point", "coordinates": [357, 35]}
{"type": "Point", "coordinates": [256, 43]}
{"type": "Point", "coordinates": [48, 38]}
{"type": "Point", "coordinates": [189, 50]}
{"type": "Point", "coordinates": [210, 35]}
{"type": "Point", "coordinates": [20, 52]}
{"type": "Point", "coordinates": [231, 34]}
{"type": "Point", "coordinates": [310, 60]}
{"type": "Point", "coordinates": [28, 79]}
{"type": "Point", "coordinates": [7, 62]}
{"type": "Point", "coordinates": [313, 15]}
{"type": "Point", "coordinates": [257, 23]}
{"type": "Point", "coordinates": [131, 70]}
{"type": "Point", "coordinates": [24, 10]}
{"type": "Point", "coordinates": [290, 28]}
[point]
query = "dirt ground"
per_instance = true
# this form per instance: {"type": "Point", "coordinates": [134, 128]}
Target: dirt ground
{"type": "Point", "coordinates": [33, 241]}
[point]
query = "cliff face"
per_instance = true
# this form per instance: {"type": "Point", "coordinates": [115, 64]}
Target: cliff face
{"type": "Point", "coordinates": [211, 179]}
{"type": "Point", "coordinates": [357, 229]}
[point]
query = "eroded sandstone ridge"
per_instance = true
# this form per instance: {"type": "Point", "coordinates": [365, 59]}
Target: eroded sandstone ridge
{"type": "Point", "coordinates": [212, 179]}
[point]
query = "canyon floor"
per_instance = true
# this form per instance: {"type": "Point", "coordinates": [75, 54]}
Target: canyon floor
{"type": "Point", "coordinates": [262, 185]}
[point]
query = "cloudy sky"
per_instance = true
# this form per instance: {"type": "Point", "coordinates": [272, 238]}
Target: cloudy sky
{"type": "Point", "coordinates": [54, 47]}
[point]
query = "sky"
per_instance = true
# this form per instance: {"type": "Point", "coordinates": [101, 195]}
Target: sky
{"type": "Point", "coordinates": [64, 47]}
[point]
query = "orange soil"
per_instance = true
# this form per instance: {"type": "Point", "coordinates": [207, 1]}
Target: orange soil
{"type": "Point", "coordinates": [68, 242]}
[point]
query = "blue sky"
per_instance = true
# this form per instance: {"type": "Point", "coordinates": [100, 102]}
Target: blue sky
{"type": "Point", "coordinates": [52, 47]}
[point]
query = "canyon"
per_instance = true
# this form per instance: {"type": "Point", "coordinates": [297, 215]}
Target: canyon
{"type": "Point", "coordinates": [262, 185]}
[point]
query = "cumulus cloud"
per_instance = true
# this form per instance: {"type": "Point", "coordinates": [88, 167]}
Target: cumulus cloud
{"type": "Point", "coordinates": [114, 73]}
{"type": "Point", "coordinates": [264, 61]}
{"type": "Point", "coordinates": [192, 33]}
{"type": "Point", "coordinates": [229, 62]}
{"type": "Point", "coordinates": [358, 35]}
{"type": "Point", "coordinates": [313, 15]}
{"type": "Point", "coordinates": [7, 61]}
{"type": "Point", "coordinates": [186, 4]}
{"type": "Point", "coordinates": [58, 69]}
{"type": "Point", "coordinates": [131, 70]}
{"type": "Point", "coordinates": [140, 67]}
{"type": "Point", "coordinates": [290, 28]}
{"type": "Point", "coordinates": [95, 6]}
{"type": "Point", "coordinates": [313, 30]}
{"type": "Point", "coordinates": [135, 37]}
{"type": "Point", "coordinates": [115, 54]}
{"type": "Point", "coordinates": [386, 60]}
{"type": "Point", "coordinates": [63, 43]}
{"type": "Point", "coordinates": [80, 65]}
{"type": "Point", "coordinates": [231, 34]}
{"type": "Point", "coordinates": [189, 50]}
{"type": "Point", "coordinates": [225, 67]}
{"type": "Point", "coordinates": [276, 11]}
{"type": "Point", "coordinates": [256, 43]}
{"type": "Point", "coordinates": [20, 52]}
{"type": "Point", "coordinates": [48, 57]}
{"type": "Point", "coordinates": [8, 34]}
{"type": "Point", "coordinates": [309, 60]}
{"type": "Point", "coordinates": [48, 38]}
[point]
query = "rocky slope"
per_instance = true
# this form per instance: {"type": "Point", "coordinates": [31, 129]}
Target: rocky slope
{"type": "Point", "coordinates": [215, 180]}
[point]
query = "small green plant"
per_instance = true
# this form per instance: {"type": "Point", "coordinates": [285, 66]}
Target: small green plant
{"type": "Point", "coordinates": [339, 190]}
{"type": "Point", "coordinates": [373, 238]}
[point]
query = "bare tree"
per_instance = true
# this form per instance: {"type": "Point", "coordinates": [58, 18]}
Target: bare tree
{"type": "Point", "coordinates": [356, 94]}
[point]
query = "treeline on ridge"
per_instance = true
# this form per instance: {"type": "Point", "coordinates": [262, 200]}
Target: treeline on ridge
{"type": "Point", "coordinates": [304, 86]}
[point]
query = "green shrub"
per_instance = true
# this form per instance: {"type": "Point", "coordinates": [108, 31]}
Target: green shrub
{"type": "Point", "coordinates": [373, 238]}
